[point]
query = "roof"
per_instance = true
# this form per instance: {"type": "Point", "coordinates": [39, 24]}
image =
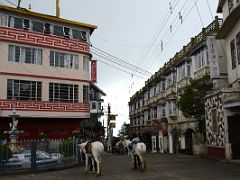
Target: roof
{"type": "Point", "coordinates": [47, 17]}
{"type": "Point", "coordinates": [220, 5]}
{"type": "Point", "coordinates": [98, 89]}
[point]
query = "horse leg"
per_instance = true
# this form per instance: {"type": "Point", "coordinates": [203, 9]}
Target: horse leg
{"type": "Point", "coordinates": [142, 164]}
{"type": "Point", "coordinates": [93, 165]}
{"type": "Point", "coordinates": [98, 167]}
{"type": "Point", "coordinates": [86, 163]}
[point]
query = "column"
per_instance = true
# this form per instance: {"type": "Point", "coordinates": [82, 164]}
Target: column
{"type": "Point", "coordinates": [170, 144]}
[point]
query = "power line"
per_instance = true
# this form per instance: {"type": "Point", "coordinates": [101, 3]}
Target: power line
{"type": "Point", "coordinates": [199, 15]}
{"type": "Point", "coordinates": [123, 63]}
{"type": "Point", "coordinates": [210, 9]}
{"type": "Point", "coordinates": [121, 44]}
{"type": "Point", "coordinates": [112, 60]}
{"type": "Point", "coordinates": [155, 50]}
{"type": "Point", "coordinates": [116, 67]}
{"type": "Point", "coordinates": [10, 3]}
{"type": "Point", "coordinates": [161, 26]}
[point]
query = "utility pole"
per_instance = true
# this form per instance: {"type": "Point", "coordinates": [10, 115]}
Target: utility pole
{"type": "Point", "coordinates": [108, 129]}
{"type": "Point", "coordinates": [19, 2]}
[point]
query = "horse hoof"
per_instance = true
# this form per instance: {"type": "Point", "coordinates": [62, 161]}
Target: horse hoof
{"type": "Point", "coordinates": [98, 175]}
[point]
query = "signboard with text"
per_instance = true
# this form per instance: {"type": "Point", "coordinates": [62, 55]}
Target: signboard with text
{"type": "Point", "coordinates": [94, 71]}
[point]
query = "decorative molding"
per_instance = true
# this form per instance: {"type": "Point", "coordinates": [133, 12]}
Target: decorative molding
{"type": "Point", "coordinates": [40, 39]}
{"type": "Point", "coordinates": [44, 106]}
{"type": "Point", "coordinates": [44, 77]}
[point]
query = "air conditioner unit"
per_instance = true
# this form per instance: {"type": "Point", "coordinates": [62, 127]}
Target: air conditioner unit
{"type": "Point", "coordinates": [66, 32]}
{"type": "Point", "coordinates": [47, 28]}
{"type": "Point", "coordinates": [84, 36]}
{"type": "Point", "coordinates": [26, 24]}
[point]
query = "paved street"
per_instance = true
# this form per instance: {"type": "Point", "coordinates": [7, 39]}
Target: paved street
{"type": "Point", "coordinates": [160, 166]}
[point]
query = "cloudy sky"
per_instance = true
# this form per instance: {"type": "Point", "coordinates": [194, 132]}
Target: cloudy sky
{"type": "Point", "coordinates": [135, 33]}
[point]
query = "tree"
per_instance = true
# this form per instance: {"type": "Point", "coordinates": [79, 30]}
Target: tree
{"type": "Point", "coordinates": [124, 129]}
{"type": "Point", "coordinates": [191, 102]}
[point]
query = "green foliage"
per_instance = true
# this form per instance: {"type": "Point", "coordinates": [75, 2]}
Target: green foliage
{"type": "Point", "coordinates": [66, 147]}
{"type": "Point", "coordinates": [191, 101]}
{"type": "Point", "coordinates": [125, 129]}
{"type": "Point", "coordinates": [5, 152]}
{"type": "Point", "coordinates": [2, 136]}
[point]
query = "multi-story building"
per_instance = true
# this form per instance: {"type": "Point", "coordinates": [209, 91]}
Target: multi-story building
{"type": "Point", "coordinates": [223, 107]}
{"type": "Point", "coordinates": [155, 103]}
{"type": "Point", "coordinates": [44, 72]}
{"type": "Point", "coordinates": [96, 109]}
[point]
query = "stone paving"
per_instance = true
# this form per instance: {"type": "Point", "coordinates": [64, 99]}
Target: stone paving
{"type": "Point", "coordinates": [160, 166]}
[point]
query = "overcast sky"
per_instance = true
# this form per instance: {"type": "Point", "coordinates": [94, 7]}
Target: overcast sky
{"type": "Point", "coordinates": [144, 33]}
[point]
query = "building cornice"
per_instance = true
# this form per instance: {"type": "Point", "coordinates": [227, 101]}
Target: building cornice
{"type": "Point", "coordinates": [229, 23]}
{"type": "Point", "coordinates": [44, 77]}
{"type": "Point", "coordinates": [46, 17]}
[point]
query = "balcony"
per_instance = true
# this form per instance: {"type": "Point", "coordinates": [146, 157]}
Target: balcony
{"type": "Point", "coordinates": [201, 72]}
{"type": "Point", "coordinates": [171, 90]}
{"type": "Point", "coordinates": [184, 82]}
{"type": "Point", "coordinates": [39, 39]}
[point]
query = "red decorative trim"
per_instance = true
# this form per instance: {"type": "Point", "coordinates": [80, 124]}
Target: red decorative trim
{"type": "Point", "coordinates": [39, 39]}
{"type": "Point", "coordinates": [44, 77]}
{"type": "Point", "coordinates": [43, 106]}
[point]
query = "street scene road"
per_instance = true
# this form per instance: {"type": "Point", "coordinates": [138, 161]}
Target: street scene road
{"type": "Point", "coordinates": [160, 166]}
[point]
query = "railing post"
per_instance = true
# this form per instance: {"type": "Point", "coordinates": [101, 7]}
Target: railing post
{"type": "Point", "coordinates": [33, 155]}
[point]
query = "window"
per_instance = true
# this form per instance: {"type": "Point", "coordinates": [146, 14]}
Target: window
{"type": "Point", "coordinates": [233, 54]}
{"type": "Point", "coordinates": [76, 34]}
{"type": "Point", "coordinates": [63, 92]}
{"type": "Point", "coordinates": [172, 108]}
{"type": "Point", "coordinates": [24, 54]}
{"type": "Point", "coordinates": [214, 121]}
{"type": "Point", "coordinates": [85, 63]}
{"type": "Point", "coordinates": [238, 47]}
{"type": "Point", "coordinates": [64, 60]}
{"type": "Point", "coordinates": [15, 22]}
{"type": "Point", "coordinates": [163, 86]}
{"type": "Point", "coordinates": [200, 60]}
{"type": "Point", "coordinates": [94, 105]}
{"type": "Point", "coordinates": [3, 20]}
{"type": "Point", "coordinates": [170, 80]}
{"type": "Point", "coordinates": [181, 72]}
{"type": "Point", "coordinates": [58, 30]}
{"type": "Point", "coordinates": [155, 112]}
{"type": "Point", "coordinates": [162, 111]}
{"type": "Point", "coordinates": [188, 70]}
{"type": "Point", "coordinates": [85, 93]}
{"type": "Point", "coordinates": [230, 5]}
{"type": "Point", "coordinates": [24, 90]}
{"type": "Point", "coordinates": [37, 26]}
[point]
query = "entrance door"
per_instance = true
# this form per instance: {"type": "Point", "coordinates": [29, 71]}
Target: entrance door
{"type": "Point", "coordinates": [234, 135]}
{"type": "Point", "coordinates": [188, 140]}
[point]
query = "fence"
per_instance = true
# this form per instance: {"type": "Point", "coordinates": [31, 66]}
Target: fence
{"type": "Point", "coordinates": [39, 154]}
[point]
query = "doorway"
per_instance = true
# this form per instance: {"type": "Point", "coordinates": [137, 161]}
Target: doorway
{"type": "Point", "coordinates": [234, 135]}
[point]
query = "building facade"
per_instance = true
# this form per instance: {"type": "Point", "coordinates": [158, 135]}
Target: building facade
{"type": "Point", "coordinates": [153, 111]}
{"type": "Point", "coordinates": [44, 72]}
{"type": "Point", "coordinates": [223, 107]}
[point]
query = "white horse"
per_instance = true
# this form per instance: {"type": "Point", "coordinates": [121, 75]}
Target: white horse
{"type": "Point", "coordinates": [93, 150]}
{"type": "Point", "coordinates": [139, 151]}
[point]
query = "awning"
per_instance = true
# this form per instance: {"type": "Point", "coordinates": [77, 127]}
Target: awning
{"type": "Point", "coordinates": [232, 105]}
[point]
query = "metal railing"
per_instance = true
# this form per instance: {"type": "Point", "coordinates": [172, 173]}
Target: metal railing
{"type": "Point", "coordinates": [40, 154]}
